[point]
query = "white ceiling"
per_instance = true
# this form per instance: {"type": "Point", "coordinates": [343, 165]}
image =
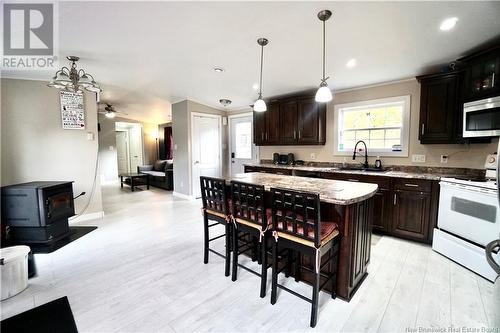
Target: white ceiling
{"type": "Point", "coordinates": [147, 55]}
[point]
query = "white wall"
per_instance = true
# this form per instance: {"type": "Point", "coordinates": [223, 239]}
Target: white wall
{"type": "Point", "coordinates": [35, 147]}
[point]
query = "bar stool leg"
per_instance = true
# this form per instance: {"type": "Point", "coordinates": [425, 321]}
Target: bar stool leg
{"type": "Point", "coordinates": [228, 249]}
{"type": "Point", "coordinates": [263, 275]}
{"type": "Point", "coordinates": [274, 285]}
{"type": "Point", "coordinates": [314, 310]}
{"type": "Point", "coordinates": [289, 259]}
{"type": "Point", "coordinates": [235, 254]}
{"type": "Point", "coordinates": [206, 237]}
{"type": "Point", "coordinates": [333, 271]}
{"type": "Point", "coordinates": [297, 266]}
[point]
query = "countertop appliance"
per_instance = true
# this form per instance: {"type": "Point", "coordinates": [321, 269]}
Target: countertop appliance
{"type": "Point", "coordinates": [283, 159]}
{"type": "Point", "coordinates": [482, 118]}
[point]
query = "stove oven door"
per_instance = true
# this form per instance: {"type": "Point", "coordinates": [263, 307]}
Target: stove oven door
{"type": "Point", "coordinates": [470, 213]}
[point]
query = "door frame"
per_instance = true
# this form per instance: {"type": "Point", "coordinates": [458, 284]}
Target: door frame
{"type": "Point", "coordinates": [190, 152]}
{"type": "Point", "coordinates": [127, 148]}
{"type": "Point", "coordinates": [229, 136]}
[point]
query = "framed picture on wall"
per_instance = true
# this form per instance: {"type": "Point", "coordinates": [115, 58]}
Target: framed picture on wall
{"type": "Point", "coordinates": [72, 110]}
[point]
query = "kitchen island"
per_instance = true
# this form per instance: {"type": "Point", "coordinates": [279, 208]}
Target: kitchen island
{"type": "Point", "coordinates": [346, 203]}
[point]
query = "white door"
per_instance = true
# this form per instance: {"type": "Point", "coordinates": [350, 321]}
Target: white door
{"type": "Point", "coordinates": [205, 138]}
{"type": "Point", "coordinates": [135, 147]}
{"type": "Point", "coordinates": [242, 148]}
{"type": "Point", "coordinates": [122, 152]}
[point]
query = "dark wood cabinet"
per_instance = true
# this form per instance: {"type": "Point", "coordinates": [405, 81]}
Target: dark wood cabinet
{"type": "Point", "coordinates": [291, 120]}
{"type": "Point", "coordinates": [266, 124]}
{"type": "Point", "coordinates": [310, 121]}
{"type": "Point", "coordinates": [402, 207]}
{"type": "Point", "coordinates": [482, 74]}
{"type": "Point", "coordinates": [288, 117]}
{"type": "Point", "coordinates": [439, 108]}
{"type": "Point", "coordinates": [411, 214]}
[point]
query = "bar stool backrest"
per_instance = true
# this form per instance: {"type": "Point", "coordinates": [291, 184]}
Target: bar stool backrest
{"type": "Point", "coordinates": [248, 203]}
{"type": "Point", "coordinates": [213, 194]}
{"type": "Point", "coordinates": [297, 214]}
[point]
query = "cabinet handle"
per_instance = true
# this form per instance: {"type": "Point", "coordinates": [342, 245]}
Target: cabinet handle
{"type": "Point", "coordinates": [299, 135]}
{"type": "Point", "coordinates": [395, 201]}
{"type": "Point", "coordinates": [262, 135]}
{"type": "Point", "coordinates": [267, 136]}
{"type": "Point", "coordinates": [492, 80]}
{"type": "Point", "coordinates": [422, 131]}
{"type": "Point", "coordinates": [294, 134]}
{"type": "Point", "coordinates": [352, 180]}
{"type": "Point", "coordinates": [411, 185]}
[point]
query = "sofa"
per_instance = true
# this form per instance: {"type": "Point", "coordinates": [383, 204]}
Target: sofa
{"type": "Point", "coordinates": [161, 174]}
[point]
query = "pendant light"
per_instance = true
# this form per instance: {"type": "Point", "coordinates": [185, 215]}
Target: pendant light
{"type": "Point", "coordinates": [324, 94]}
{"type": "Point", "coordinates": [260, 105]}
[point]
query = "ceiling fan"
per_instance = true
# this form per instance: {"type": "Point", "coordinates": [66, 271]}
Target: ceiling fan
{"type": "Point", "coordinates": [109, 111]}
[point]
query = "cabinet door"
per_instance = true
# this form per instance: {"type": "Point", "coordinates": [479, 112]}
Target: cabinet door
{"type": "Point", "coordinates": [382, 207]}
{"type": "Point", "coordinates": [482, 76]}
{"type": "Point", "coordinates": [288, 119]}
{"type": "Point", "coordinates": [272, 124]}
{"type": "Point", "coordinates": [259, 127]}
{"type": "Point", "coordinates": [438, 109]}
{"type": "Point", "coordinates": [411, 214]}
{"type": "Point", "coordinates": [308, 121]}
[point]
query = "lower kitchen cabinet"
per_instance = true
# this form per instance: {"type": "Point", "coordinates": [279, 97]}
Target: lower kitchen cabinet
{"type": "Point", "coordinates": [411, 214]}
{"type": "Point", "coordinates": [402, 207]}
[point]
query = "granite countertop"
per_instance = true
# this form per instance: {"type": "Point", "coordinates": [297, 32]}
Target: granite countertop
{"type": "Point", "coordinates": [387, 173]}
{"type": "Point", "coordinates": [332, 191]}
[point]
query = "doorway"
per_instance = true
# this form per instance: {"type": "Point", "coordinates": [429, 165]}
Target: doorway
{"type": "Point", "coordinates": [205, 148]}
{"type": "Point", "coordinates": [129, 146]}
{"type": "Point", "coordinates": [242, 149]}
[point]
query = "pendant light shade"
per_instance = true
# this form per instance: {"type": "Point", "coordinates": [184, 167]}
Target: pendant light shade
{"type": "Point", "coordinates": [260, 105]}
{"type": "Point", "coordinates": [324, 94]}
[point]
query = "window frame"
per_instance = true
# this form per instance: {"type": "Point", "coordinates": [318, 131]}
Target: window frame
{"type": "Point", "coordinates": [405, 128]}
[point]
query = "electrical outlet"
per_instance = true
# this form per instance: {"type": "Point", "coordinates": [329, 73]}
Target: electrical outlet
{"type": "Point", "coordinates": [444, 159]}
{"type": "Point", "coordinates": [416, 158]}
{"type": "Point", "coordinates": [313, 156]}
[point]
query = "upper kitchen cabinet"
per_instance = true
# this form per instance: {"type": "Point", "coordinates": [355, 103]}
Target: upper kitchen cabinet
{"type": "Point", "coordinates": [266, 125]}
{"type": "Point", "coordinates": [439, 108]}
{"type": "Point", "coordinates": [291, 120]}
{"type": "Point", "coordinates": [482, 74]}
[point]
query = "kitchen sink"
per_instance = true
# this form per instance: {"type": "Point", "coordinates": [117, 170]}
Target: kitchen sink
{"type": "Point", "coordinates": [356, 168]}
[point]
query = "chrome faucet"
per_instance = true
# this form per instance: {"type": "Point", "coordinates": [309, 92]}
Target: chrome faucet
{"type": "Point", "coordinates": [365, 165]}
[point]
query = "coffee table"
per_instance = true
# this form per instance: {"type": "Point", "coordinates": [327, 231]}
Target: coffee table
{"type": "Point", "coordinates": [133, 178]}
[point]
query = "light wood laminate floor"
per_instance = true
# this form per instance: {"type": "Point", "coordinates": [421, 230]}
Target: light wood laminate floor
{"type": "Point", "coordinates": [142, 271]}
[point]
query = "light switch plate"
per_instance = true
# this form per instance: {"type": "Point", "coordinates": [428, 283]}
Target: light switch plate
{"type": "Point", "coordinates": [416, 158]}
{"type": "Point", "coordinates": [313, 156]}
{"type": "Point", "coordinates": [90, 136]}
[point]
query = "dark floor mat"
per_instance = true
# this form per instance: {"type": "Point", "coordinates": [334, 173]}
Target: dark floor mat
{"type": "Point", "coordinates": [52, 317]}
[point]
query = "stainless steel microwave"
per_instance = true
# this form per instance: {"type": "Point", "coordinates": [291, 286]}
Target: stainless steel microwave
{"type": "Point", "coordinates": [482, 118]}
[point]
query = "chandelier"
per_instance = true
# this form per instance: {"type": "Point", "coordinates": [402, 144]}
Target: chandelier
{"type": "Point", "coordinates": [73, 79]}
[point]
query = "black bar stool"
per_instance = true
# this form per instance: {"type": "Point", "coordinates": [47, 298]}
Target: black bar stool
{"type": "Point", "coordinates": [297, 225]}
{"type": "Point", "coordinates": [250, 218]}
{"type": "Point", "coordinates": [216, 207]}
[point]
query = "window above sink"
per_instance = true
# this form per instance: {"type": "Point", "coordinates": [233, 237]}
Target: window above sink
{"type": "Point", "coordinates": [382, 123]}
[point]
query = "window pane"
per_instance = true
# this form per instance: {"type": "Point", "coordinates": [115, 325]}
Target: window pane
{"type": "Point", "coordinates": [393, 134]}
{"type": "Point", "coordinates": [243, 140]}
{"type": "Point", "coordinates": [390, 143]}
{"type": "Point", "coordinates": [349, 135]}
{"type": "Point", "coordinates": [362, 135]}
{"type": "Point", "coordinates": [373, 144]}
{"type": "Point", "coordinates": [394, 116]}
{"type": "Point", "coordinates": [377, 134]}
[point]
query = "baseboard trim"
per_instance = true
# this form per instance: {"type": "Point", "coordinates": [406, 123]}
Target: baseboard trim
{"type": "Point", "coordinates": [183, 196]}
{"type": "Point", "coordinates": [86, 217]}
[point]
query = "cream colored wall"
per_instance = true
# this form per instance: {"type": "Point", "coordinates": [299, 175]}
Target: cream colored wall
{"type": "Point", "coordinates": [35, 147]}
{"type": "Point", "coordinates": [467, 156]}
{"type": "Point", "coordinates": [181, 132]}
{"type": "Point", "coordinates": [108, 165]}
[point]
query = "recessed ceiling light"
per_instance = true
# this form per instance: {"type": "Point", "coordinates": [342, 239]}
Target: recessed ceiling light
{"type": "Point", "coordinates": [255, 86]}
{"type": "Point", "coordinates": [351, 63]}
{"type": "Point", "coordinates": [448, 24]}
{"type": "Point", "coordinates": [219, 69]}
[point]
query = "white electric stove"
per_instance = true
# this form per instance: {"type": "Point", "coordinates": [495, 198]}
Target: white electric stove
{"type": "Point", "coordinates": [468, 219]}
